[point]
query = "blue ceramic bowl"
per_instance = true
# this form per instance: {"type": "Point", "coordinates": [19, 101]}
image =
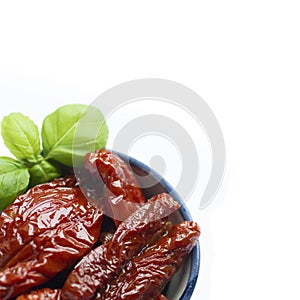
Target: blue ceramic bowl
{"type": "Point", "coordinates": [182, 285]}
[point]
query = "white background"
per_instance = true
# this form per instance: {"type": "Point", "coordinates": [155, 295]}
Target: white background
{"type": "Point", "coordinates": [242, 57]}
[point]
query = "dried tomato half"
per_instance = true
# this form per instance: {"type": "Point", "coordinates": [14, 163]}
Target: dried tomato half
{"type": "Point", "coordinates": [103, 263]}
{"type": "Point", "coordinates": [121, 189]}
{"type": "Point", "coordinates": [43, 232]}
{"type": "Point", "coordinates": [146, 274]}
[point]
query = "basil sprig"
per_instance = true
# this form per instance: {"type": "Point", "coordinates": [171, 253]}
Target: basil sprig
{"type": "Point", "coordinates": [34, 165]}
{"type": "Point", "coordinates": [72, 131]}
{"type": "Point", "coordinates": [14, 180]}
{"type": "Point", "coordinates": [21, 137]}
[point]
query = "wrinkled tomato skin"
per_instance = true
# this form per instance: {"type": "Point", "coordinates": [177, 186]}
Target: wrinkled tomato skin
{"type": "Point", "coordinates": [44, 294]}
{"type": "Point", "coordinates": [146, 274]}
{"type": "Point", "coordinates": [121, 189]}
{"type": "Point", "coordinates": [44, 232]}
{"type": "Point", "coordinates": [103, 263]}
{"type": "Point", "coordinates": [20, 221]}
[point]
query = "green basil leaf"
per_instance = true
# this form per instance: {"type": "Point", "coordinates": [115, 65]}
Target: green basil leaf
{"type": "Point", "coordinates": [21, 136]}
{"type": "Point", "coordinates": [43, 172]}
{"type": "Point", "coordinates": [14, 180]}
{"type": "Point", "coordinates": [72, 131]}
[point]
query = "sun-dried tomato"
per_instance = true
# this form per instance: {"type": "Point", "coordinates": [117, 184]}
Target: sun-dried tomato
{"type": "Point", "coordinates": [44, 294]}
{"type": "Point", "coordinates": [146, 274]}
{"type": "Point", "coordinates": [121, 189]}
{"type": "Point", "coordinates": [97, 268]}
{"type": "Point", "coordinates": [43, 232]}
{"type": "Point", "coordinates": [20, 222]}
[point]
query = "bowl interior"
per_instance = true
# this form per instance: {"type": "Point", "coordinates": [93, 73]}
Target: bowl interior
{"type": "Point", "coordinates": [183, 283]}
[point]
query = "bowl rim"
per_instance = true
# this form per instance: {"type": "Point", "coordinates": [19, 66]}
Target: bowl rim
{"type": "Point", "coordinates": [196, 253]}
